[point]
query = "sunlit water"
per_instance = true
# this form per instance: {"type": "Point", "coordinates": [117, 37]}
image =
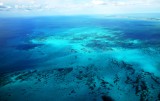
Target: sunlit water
{"type": "Point", "coordinates": [79, 58]}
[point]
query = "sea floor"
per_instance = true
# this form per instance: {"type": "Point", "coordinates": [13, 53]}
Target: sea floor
{"type": "Point", "coordinates": [82, 63]}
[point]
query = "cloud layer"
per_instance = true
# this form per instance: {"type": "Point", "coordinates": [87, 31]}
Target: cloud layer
{"type": "Point", "coordinates": [74, 7]}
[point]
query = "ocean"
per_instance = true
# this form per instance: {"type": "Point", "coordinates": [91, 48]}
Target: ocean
{"type": "Point", "coordinates": [75, 58]}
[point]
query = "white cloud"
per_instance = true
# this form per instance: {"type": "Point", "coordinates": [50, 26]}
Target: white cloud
{"type": "Point", "coordinates": [80, 6]}
{"type": "Point", "coordinates": [98, 2]}
{"type": "Point", "coordinates": [125, 2]}
{"type": "Point", "coordinates": [1, 3]}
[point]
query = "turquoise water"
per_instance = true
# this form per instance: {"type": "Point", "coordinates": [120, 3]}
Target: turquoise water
{"type": "Point", "coordinates": [79, 58]}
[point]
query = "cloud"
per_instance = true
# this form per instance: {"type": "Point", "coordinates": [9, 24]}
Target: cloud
{"type": "Point", "coordinates": [124, 2]}
{"type": "Point", "coordinates": [99, 2]}
{"type": "Point", "coordinates": [1, 4]}
{"type": "Point", "coordinates": [4, 7]}
{"type": "Point", "coordinates": [80, 6]}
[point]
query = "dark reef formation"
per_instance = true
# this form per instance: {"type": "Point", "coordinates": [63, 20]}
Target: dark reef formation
{"type": "Point", "coordinates": [107, 98]}
{"type": "Point", "coordinates": [90, 77]}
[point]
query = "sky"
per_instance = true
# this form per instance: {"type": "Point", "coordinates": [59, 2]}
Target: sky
{"type": "Point", "coordinates": [76, 7]}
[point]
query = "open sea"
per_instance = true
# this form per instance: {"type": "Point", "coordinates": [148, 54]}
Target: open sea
{"type": "Point", "coordinates": [79, 58]}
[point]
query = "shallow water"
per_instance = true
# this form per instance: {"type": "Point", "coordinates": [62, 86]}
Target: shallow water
{"type": "Point", "coordinates": [79, 58]}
